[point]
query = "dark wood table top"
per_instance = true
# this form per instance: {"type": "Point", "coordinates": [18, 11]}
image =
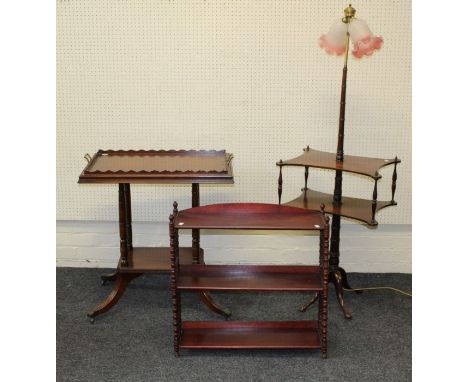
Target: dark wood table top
{"type": "Point", "coordinates": [159, 166]}
{"type": "Point", "coordinates": [356, 164]}
{"type": "Point", "coordinates": [256, 216]}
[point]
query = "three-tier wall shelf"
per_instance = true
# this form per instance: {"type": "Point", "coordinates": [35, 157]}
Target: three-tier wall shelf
{"type": "Point", "coordinates": [302, 334]}
{"type": "Point", "coordinates": [363, 210]}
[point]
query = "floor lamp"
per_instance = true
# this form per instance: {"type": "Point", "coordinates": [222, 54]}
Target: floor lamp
{"type": "Point", "coordinates": [336, 42]}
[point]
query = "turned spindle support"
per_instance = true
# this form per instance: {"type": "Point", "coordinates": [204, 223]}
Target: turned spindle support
{"type": "Point", "coordinates": [306, 177]}
{"type": "Point", "coordinates": [204, 296]}
{"type": "Point", "coordinates": [128, 217]}
{"type": "Point", "coordinates": [122, 227]}
{"type": "Point", "coordinates": [374, 201]}
{"type": "Point", "coordinates": [195, 232]}
{"type": "Point", "coordinates": [394, 179]}
{"type": "Point", "coordinates": [280, 181]}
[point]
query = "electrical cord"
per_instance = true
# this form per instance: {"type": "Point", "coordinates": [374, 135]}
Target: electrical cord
{"type": "Point", "coordinates": [379, 288]}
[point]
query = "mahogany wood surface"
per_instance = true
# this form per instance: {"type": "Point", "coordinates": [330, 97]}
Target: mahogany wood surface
{"type": "Point", "coordinates": [250, 335]}
{"type": "Point", "coordinates": [249, 277]}
{"type": "Point", "coordinates": [354, 208]}
{"type": "Point", "coordinates": [257, 216]}
{"type": "Point", "coordinates": [230, 277]}
{"type": "Point", "coordinates": [126, 167]}
{"type": "Point", "coordinates": [155, 259]}
{"type": "Point", "coordinates": [355, 164]}
{"type": "Point", "coordinates": [159, 166]}
{"type": "Point", "coordinates": [121, 283]}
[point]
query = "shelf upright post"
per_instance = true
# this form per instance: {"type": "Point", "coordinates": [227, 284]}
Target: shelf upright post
{"type": "Point", "coordinates": [128, 217]}
{"type": "Point", "coordinates": [122, 226]}
{"type": "Point", "coordinates": [374, 200]}
{"type": "Point", "coordinates": [306, 172]}
{"type": "Point", "coordinates": [195, 232]}
{"type": "Point", "coordinates": [280, 181]}
{"type": "Point", "coordinates": [394, 179]}
{"type": "Point", "coordinates": [323, 295]}
{"type": "Point", "coordinates": [174, 249]}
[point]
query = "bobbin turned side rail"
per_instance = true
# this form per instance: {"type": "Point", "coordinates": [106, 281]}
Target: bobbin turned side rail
{"type": "Point", "coordinates": [174, 254]}
{"type": "Point", "coordinates": [323, 295]}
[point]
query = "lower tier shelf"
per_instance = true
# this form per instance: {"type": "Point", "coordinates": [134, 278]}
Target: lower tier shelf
{"type": "Point", "coordinates": [354, 208]}
{"type": "Point", "coordinates": [155, 259]}
{"type": "Point", "coordinates": [250, 335]}
{"type": "Point", "coordinates": [250, 277]}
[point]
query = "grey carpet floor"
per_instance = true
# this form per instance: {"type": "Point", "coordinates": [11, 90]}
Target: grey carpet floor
{"type": "Point", "coordinates": [133, 341]}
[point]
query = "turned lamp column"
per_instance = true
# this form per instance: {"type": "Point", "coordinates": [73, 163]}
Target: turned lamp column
{"type": "Point", "coordinates": [337, 192]}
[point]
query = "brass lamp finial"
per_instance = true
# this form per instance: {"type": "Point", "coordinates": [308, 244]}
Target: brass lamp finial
{"type": "Point", "coordinates": [349, 12]}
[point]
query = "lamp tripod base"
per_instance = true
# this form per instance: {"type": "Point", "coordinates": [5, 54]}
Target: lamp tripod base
{"type": "Point", "coordinates": [339, 278]}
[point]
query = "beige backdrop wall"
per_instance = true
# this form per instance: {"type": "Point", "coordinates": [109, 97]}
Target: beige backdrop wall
{"type": "Point", "coordinates": [245, 76]}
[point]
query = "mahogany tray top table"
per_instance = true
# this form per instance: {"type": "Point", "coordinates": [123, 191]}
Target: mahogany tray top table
{"type": "Point", "coordinates": [302, 334]}
{"type": "Point", "coordinates": [124, 167]}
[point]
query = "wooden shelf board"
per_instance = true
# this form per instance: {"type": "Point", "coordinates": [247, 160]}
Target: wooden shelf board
{"type": "Point", "coordinates": [250, 335]}
{"type": "Point", "coordinates": [354, 208]}
{"type": "Point", "coordinates": [249, 277]}
{"type": "Point", "coordinates": [355, 164]}
{"type": "Point", "coordinates": [255, 216]}
{"type": "Point", "coordinates": [155, 259]}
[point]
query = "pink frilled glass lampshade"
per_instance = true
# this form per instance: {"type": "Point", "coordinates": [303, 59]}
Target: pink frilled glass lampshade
{"type": "Point", "coordinates": [364, 42]}
{"type": "Point", "coordinates": [334, 42]}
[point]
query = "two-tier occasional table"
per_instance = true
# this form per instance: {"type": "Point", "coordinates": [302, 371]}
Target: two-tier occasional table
{"type": "Point", "coordinates": [124, 167]}
{"type": "Point", "coordinates": [363, 210]}
{"type": "Point", "coordinates": [302, 334]}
